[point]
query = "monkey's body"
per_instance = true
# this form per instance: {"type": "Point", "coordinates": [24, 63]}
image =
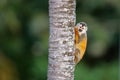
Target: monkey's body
{"type": "Point", "coordinates": [80, 43]}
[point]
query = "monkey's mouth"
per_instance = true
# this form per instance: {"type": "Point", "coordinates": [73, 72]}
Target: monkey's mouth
{"type": "Point", "coordinates": [80, 30]}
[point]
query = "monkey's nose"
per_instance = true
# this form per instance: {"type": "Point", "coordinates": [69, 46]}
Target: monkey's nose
{"type": "Point", "coordinates": [80, 30]}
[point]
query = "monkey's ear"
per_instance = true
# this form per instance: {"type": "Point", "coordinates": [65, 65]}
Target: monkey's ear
{"type": "Point", "coordinates": [78, 25]}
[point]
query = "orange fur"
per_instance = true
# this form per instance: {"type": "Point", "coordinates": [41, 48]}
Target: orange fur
{"type": "Point", "coordinates": [80, 46]}
{"type": "Point", "coordinates": [76, 35]}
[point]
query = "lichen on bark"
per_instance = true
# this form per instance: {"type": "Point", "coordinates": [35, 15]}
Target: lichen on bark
{"type": "Point", "coordinates": [61, 40]}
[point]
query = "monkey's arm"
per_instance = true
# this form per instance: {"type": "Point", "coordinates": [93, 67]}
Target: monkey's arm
{"type": "Point", "coordinates": [76, 35]}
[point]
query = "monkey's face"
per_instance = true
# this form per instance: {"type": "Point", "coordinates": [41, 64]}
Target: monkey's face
{"type": "Point", "coordinates": [82, 27]}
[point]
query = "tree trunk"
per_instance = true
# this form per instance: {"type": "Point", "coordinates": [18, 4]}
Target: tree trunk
{"type": "Point", "coordinates": [61, 40]}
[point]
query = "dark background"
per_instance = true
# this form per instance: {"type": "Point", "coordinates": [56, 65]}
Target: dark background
{"type": "Point", "coordinates": [24, 32]}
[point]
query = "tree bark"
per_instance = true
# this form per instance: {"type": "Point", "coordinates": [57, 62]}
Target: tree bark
{"type": "Point", "coordinates": [61, 41]}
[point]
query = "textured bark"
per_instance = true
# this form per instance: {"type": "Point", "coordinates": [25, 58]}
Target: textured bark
{"type": "Point", "coordinates": [61, 40]}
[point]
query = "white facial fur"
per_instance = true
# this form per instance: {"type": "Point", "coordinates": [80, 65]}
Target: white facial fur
{"type": "Point", "coordinates": [82, 27]}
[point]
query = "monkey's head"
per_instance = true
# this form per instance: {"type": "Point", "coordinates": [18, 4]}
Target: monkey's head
{"type": "Point", "coordinates": [82, 27]}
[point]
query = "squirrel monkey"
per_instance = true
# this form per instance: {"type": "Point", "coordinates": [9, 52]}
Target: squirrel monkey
{"type": "Point", "coordinates": [80, 40]}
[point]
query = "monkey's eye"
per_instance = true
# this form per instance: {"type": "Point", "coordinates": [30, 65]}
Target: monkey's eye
{"type": "Point", "coordinates": [80, 30]}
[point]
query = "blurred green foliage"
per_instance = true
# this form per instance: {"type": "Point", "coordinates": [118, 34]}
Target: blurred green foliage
{"type": "Point", "coordinates": [24, 32]}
